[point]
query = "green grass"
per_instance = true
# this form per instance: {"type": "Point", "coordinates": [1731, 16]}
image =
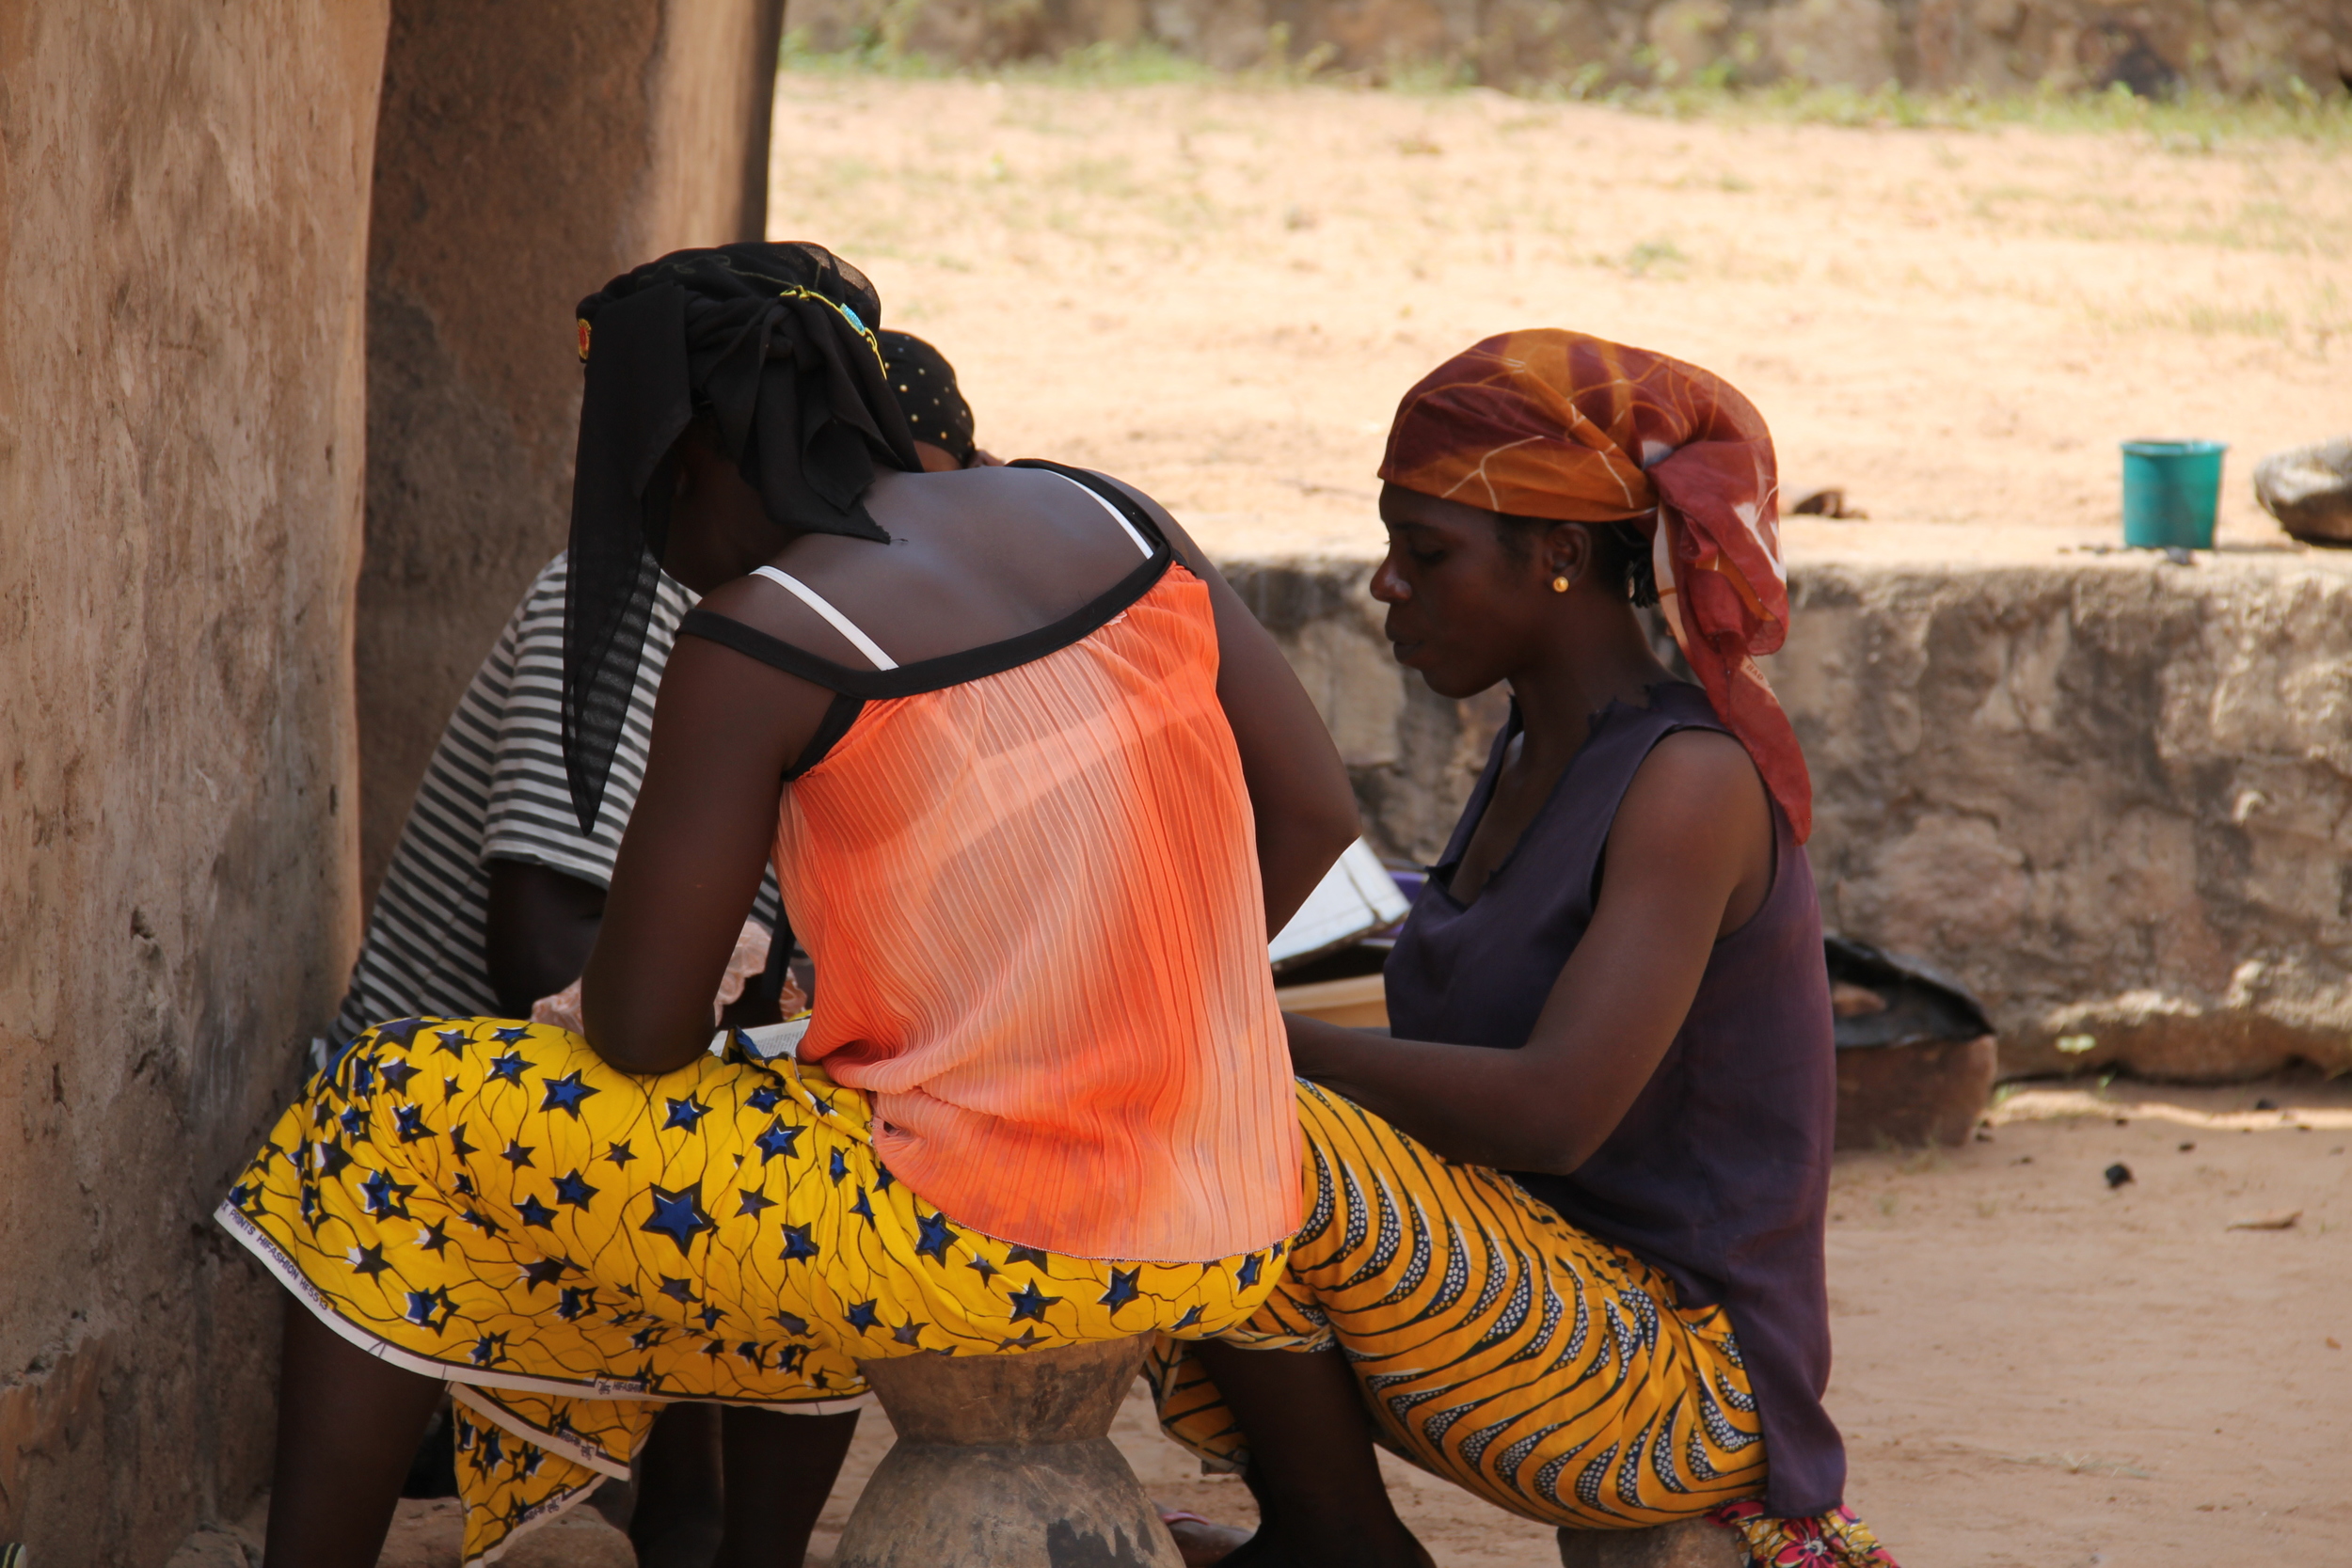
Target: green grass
{"type": "Point", "coordinates": [2193, 123]}
{"type": "Point", "coordinates": [1097, 65]}
{"type": "Point", "coordinates": [1661, 256]}
{"type": "Point", "coordinates": [2322, 316]}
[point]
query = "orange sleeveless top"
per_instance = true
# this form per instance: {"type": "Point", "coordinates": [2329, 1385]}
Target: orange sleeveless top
{"type": "Point", "coordinates": [1032, 898]}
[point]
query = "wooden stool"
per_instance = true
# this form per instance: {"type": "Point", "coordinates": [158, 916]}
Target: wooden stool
{"type": "Point", "coordinates": [1692, 1544]}
{"type": "Point", "coordinates": [1006, 1462]}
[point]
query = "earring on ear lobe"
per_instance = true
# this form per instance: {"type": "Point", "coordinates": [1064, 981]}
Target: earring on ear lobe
{"type": "Point", "coordinates": [1560, 584]}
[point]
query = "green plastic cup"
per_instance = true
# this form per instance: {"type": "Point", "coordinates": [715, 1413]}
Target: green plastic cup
{"type": "Point", "coordinates": [2171, 492]}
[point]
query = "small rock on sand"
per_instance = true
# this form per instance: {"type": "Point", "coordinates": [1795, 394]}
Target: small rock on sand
{"type": "Point", "coordinates": [1829, 504]}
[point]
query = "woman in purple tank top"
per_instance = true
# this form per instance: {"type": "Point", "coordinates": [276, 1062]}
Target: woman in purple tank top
{"type": "Point", "coordinates": [1566, 1232]}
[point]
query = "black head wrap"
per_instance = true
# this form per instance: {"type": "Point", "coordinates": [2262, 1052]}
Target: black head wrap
{"type": "Point", "coordinates": [927, 395]}
{"type": "Point", "coordinates": [774, 346]}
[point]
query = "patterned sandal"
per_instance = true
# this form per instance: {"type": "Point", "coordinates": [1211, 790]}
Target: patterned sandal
{"type": "Point", "coordinates": [1834, 1540]}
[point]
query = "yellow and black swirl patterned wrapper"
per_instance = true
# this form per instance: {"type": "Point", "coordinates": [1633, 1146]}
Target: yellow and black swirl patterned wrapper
{"type": "Point", "coordinates": [486, 1202]}
{"type": "Point", "coordinates": [1495, 1344]}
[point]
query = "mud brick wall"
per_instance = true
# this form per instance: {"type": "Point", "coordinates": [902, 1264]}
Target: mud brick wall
{"type": "Point", "coordinates": [184, 190]}
{"type": "Point", "coordinates": [2235, 46]}
{"type": "Point", "coordinates": [216, 397]}
{"type": "Point", "coordinates": [2113, 794]}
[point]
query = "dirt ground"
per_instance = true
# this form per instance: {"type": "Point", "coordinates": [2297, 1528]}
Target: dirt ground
{"type": "Point", "coordinates": [1219, 293]}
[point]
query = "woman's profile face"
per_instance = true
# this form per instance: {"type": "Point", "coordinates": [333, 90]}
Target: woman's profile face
{"type": "Point", "coordinates": [1465, 609]}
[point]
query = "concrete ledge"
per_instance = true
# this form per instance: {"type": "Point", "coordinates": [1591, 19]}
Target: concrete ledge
{"type": "Point", "coordinates": [2111, 794]}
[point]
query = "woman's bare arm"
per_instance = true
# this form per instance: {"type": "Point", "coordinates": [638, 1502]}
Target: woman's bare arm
{"type": "Point", "coordinates": [724, 730]}
{"type": "Point", "coordinates": [1684, 858]}
{"type": "Point", "coordinates": [1304, 807]}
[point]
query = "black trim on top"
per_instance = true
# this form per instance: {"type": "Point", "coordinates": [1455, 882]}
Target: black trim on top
{"type": "Point", "coordinates": [840, 714]}
{"type": "Point", "coordinates": [990, 659]}
{"type": "Point", "coordinates": [769, 988]}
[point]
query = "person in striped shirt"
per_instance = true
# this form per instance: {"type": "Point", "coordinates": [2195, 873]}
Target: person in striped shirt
{"type": "Point", "coordinates": [494, 895]}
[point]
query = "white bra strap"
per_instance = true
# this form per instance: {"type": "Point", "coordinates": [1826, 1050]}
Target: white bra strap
{"type": "Point", "coordinates": [1116, 517]}
{"type": "Point", "coordinates": [840, 623]}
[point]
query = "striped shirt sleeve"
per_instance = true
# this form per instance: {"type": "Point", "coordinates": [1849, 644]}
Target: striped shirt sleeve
{"type": "Point", "coordinates": [529, 816]}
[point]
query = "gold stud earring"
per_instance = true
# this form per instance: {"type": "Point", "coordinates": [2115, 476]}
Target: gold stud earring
{"type": "Point", "coordinates": [1560, 584]}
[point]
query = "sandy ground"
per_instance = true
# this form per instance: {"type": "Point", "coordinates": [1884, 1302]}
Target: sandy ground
{"type": "Point", "coordinates": [2035, 1370]}
{"type": "Point", "coordinates": [1219, 293]}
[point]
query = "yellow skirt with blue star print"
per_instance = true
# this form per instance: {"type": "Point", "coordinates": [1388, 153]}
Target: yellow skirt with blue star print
{"type": "Point", "coordinates": [570, 1246]}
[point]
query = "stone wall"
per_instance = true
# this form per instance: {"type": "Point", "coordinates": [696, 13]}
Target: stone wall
{"type": "Point", "coordinates": [528, 151]}
{"type": "Point", "coordinates": [2113, 794]}
{"type": "Point", "coordinates": [2116, 797]}
{"type": "Point", "coordinates": [183, 189]}
{"type": "Point", "coordinates": [2234, 47]}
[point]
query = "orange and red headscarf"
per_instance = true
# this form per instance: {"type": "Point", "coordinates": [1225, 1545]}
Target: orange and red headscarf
{"type": "Point", "coordinates": [1553, 424]}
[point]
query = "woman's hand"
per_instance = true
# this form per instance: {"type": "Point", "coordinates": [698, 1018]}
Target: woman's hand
{"type": "Point", "coordinates": [734, 1007]}
{"type": "Point", "coordinates": [696, 846]}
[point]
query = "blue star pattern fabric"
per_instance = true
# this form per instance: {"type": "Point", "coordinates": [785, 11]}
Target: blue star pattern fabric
{"type": "Point", "coordinates": [569, 1247]}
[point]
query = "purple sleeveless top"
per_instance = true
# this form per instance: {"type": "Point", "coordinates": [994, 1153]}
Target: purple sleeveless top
{"type": "Point", "coordinates": [1719, 1175]}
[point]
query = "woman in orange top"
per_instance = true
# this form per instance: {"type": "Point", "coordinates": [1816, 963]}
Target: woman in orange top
{"type": "Point", "coordinates": [1036, 787]}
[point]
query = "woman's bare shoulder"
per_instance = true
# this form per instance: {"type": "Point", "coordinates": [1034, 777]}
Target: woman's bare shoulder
{"type": "Point", "coordinates": [1704, 759]}
{"type": "Point", "coordinates": [1697, 792]}
{"type": "Point", "coordinates": [974, 556]}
